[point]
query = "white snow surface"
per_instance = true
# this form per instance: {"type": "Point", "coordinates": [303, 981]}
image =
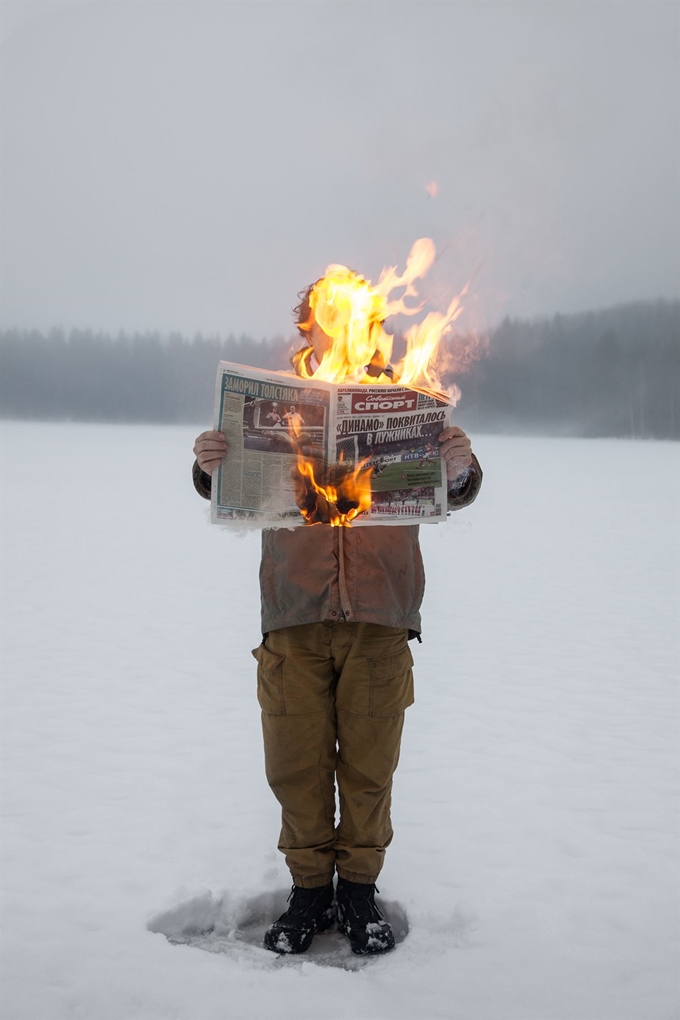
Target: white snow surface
{"type": "Point", "coordinates": [533, 875]}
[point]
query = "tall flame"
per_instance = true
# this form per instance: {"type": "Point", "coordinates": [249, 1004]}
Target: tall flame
{"type": "Point", "coordinates": [351, 311]}
{"type": "Point", "coordinates": [422, 341]}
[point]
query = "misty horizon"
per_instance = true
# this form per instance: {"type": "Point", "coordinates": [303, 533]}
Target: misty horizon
{"type": "Point", "coordinates": [602, 373]}
{"type": "Point", "coordinates": [292, 334]}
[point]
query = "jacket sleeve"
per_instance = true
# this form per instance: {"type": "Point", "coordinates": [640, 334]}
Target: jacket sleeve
{"type": "Point", "coordinates": [202, 481]}
{"type": "Point", "coordinates": [464, 490]}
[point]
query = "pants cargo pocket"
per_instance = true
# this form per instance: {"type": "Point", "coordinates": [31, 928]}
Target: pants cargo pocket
{"type": "Point", "coordinates": [390, 683]}
{"type": "Point", "coordinates": [269, 680]}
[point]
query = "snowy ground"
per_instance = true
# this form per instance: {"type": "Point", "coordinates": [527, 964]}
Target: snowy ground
{"type": "Point", "coordinates": [534, 866]}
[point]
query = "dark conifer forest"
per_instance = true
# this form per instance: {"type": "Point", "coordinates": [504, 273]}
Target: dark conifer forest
{"type": "Point", "coordinates": [614, 372]}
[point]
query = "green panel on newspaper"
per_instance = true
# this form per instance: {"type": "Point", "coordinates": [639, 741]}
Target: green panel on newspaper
{"type": "Point", "coordinates": [411, 475]}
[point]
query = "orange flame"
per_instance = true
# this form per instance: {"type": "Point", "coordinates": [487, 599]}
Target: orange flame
{"type": "Point", "coordinates": [336, 503]}
{"type": "Point", "coordinates": [422, 341]}
{"type": "Point", "coordinates": [350, 311]}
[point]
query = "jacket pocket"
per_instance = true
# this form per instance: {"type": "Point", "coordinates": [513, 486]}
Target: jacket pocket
{"type": "Point", "coordinates": [390, 683]}
{"type": "Point", "coordinates": [269, 680]}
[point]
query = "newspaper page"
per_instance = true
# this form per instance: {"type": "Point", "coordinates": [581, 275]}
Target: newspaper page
{"type": "Point", "coordinates": [394, 430]}
{"type": "Point", "coordinates": [272, 419]}
{"type": "Point", "coordinates": [265, 417]}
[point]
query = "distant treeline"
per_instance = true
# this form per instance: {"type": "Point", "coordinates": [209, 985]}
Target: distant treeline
{"type": "Point", "coordinates": [607, 373]}
{"type": "Point", "coordinates": [614, 372]}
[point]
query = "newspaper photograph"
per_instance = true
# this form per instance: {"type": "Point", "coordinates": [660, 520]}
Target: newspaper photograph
{"type": "Point", "coordinates": [296, 447]}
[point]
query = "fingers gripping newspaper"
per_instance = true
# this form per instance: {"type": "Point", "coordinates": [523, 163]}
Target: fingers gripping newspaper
{"type": "Point", "coordinates": [274, 420]}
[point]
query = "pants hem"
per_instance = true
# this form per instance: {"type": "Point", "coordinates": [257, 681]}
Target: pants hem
{"type": "Point", "coordinates": [354, 876]}
{"type": "Point", "coordinates": [315, 882]}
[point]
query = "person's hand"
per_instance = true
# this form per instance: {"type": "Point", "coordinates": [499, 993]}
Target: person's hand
{"type": "Point", "coordinates": [210, 450]}
{"type": "Point", "coordinates": [456, 451]}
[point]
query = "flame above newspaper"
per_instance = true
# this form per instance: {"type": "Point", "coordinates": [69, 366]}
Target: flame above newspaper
{"type": "Point", "coordinates": [350, 311]}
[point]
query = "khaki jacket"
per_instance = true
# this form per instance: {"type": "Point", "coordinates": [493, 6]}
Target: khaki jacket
{"type": "Point", "coordinates": [356, 574]}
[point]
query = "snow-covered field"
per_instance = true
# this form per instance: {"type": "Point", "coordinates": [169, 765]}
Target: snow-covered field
{"type": "Point", "coordinates": [534, 865]}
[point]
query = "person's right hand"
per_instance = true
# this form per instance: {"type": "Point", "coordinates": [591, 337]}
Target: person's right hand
{"type": "Point", "coordinates": [210, 449]}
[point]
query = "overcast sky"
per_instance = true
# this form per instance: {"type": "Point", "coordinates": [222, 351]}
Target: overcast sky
{"type": "Point", "coordinates": [191, 166]}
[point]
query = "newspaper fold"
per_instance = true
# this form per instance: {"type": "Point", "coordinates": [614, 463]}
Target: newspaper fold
{"type": "Point", "coordinates": [270, 419]}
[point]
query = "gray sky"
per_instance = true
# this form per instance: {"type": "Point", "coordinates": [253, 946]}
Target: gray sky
{"type": "Point", "coordinates": [191, 166]}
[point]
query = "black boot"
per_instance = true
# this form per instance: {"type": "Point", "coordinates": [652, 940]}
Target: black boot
{"type": "Point", "coordinates": [310, 911]}
{"type": "Point", "coordinates": [360, 919]}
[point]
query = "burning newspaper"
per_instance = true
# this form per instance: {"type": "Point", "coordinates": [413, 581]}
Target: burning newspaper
{"type": "Point", "coordinates": [305, 451]}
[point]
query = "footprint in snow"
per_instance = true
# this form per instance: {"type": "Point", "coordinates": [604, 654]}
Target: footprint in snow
{"type": "Point", "coordinates": [235, 924]}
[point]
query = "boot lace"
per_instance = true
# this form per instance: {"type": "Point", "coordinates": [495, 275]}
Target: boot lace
{"type": "Point", "coordinates": [304, 903]}
{"type": "Point", "coordinates": [362, 906]}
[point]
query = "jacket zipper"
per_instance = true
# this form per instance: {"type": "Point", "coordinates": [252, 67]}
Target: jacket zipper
{"type": "Point", "coordinates": [345, 603]}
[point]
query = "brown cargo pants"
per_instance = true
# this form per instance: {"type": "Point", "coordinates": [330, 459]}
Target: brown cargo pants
{"type": "Point", "coordinates": [333, 697]}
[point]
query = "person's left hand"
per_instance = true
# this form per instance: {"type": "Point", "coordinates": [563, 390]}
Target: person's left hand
{"type": "Point", "coordinates": [456, 451]}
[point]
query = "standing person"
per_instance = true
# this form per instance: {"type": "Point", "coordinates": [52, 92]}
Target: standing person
{"type": "Point", "coordinates": [293, 420]}
{"type": "Point", "coordinates": [274, 417]}
{"type": "Point", "coordinates": [339, 606]}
